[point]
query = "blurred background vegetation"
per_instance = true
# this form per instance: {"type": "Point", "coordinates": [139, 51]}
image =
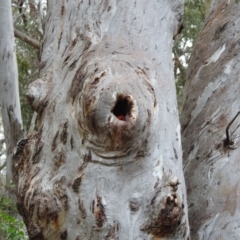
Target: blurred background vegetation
{"type": "Point", "coordinates": [194, 15]}
{"type": "Point", "coordinates": [29, 19]}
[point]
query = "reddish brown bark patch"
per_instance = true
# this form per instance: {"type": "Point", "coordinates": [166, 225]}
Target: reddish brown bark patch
{"type": "Point", "coordinates": [76, 183]}
{"type": "Point", "coordinates": [99, 212]}
{"type": "Point", "coordinates": [168, 219]}
{"type": "Point", "coordinates": [46, 209]}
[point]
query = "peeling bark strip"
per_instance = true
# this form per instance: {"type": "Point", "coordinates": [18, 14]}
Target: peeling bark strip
{"type": "Point", "coordinates": [210, 120]}
{"type": "Point", "coordinates": [103, 163]}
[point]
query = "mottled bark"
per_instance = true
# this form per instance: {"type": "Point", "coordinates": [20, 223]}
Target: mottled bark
{"type": "Point", "coordinates": [105, 159]}
{"type": "Point", "coordinates": [9, 93]}
{"type": "Point", "coordinates": [210, 126]}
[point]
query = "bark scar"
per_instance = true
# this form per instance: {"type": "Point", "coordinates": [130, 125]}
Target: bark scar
{"type": "Point", "coordinates": [167, 220]}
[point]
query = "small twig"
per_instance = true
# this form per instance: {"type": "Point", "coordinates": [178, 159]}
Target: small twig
{"type": "Point", "coordinates": [236, 128]}
{"type": "Point", "coordinates": [228, 140]}
{"type": "Point", "coordinates": [22, 13]}
{"type": "Point", "coordinates": [32, 42]}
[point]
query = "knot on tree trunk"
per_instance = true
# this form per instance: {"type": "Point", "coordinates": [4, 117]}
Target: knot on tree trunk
{"type": "Point", "coordinates": [116, 103]}
{"type": "Point", "coordinates": [38, 91]}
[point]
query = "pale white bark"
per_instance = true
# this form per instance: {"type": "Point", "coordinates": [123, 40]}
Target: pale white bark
{"type": "Point", "coordinates": [211, 163]}
{"type": "Point", "coordinates": [9, 93]}
{"type": "Point", "coordinates": [86, 174]}
{"type": "Point", "coordinates": [39, 17]}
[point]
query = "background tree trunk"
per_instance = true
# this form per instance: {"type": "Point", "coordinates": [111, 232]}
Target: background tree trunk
{"type": "Point", "coordinates": [105, 159]}
{"type": "Point", "coordinates": [9, 92]}
{"type": "Point", "coordinates": [211, 109]}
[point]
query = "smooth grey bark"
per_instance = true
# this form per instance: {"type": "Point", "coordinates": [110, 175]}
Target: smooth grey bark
{"type": "Point", "coordinates": [9, 92]}
{"type": "Point", "coordinates": [105, 159]}
{"type": "Point", "coordinates": [211, 109]}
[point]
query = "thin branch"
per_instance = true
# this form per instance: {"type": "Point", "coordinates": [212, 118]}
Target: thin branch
{"type": "Point", "coordinates": [39, 18]}
{"type": "Point", "coordinates": [32, 42]}
{"type": "Point", "coordinates": [20, 9]}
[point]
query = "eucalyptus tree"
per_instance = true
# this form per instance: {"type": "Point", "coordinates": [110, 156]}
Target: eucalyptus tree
{"type": "Point", "coordinates": [210, 126]}
{"type": "Point", "coordinates": [9, 91]}
{"type": "Point", "coordinates": [104, 160]}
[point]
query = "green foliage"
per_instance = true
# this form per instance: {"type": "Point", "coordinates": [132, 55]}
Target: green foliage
{"type": "Point", "coordinates": [194, 15]}
{"type": "Point", "coordinates": [24, 60]}
{"type": "Point", "coordinates": [10, 227]}
{"type": "Point", "coordinates": [27, 57]}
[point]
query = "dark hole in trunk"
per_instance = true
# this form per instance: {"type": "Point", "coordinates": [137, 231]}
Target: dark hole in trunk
{"type": "Point", "coordinates": [122, 107]}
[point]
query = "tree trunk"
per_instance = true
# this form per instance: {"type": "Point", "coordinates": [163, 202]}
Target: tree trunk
{"type": "Point", "coordinates": [105, 159]}
{"type": "Point", "coordinates": [210, 126]}
{"type": "Point", "coordinates": [9, 92]}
